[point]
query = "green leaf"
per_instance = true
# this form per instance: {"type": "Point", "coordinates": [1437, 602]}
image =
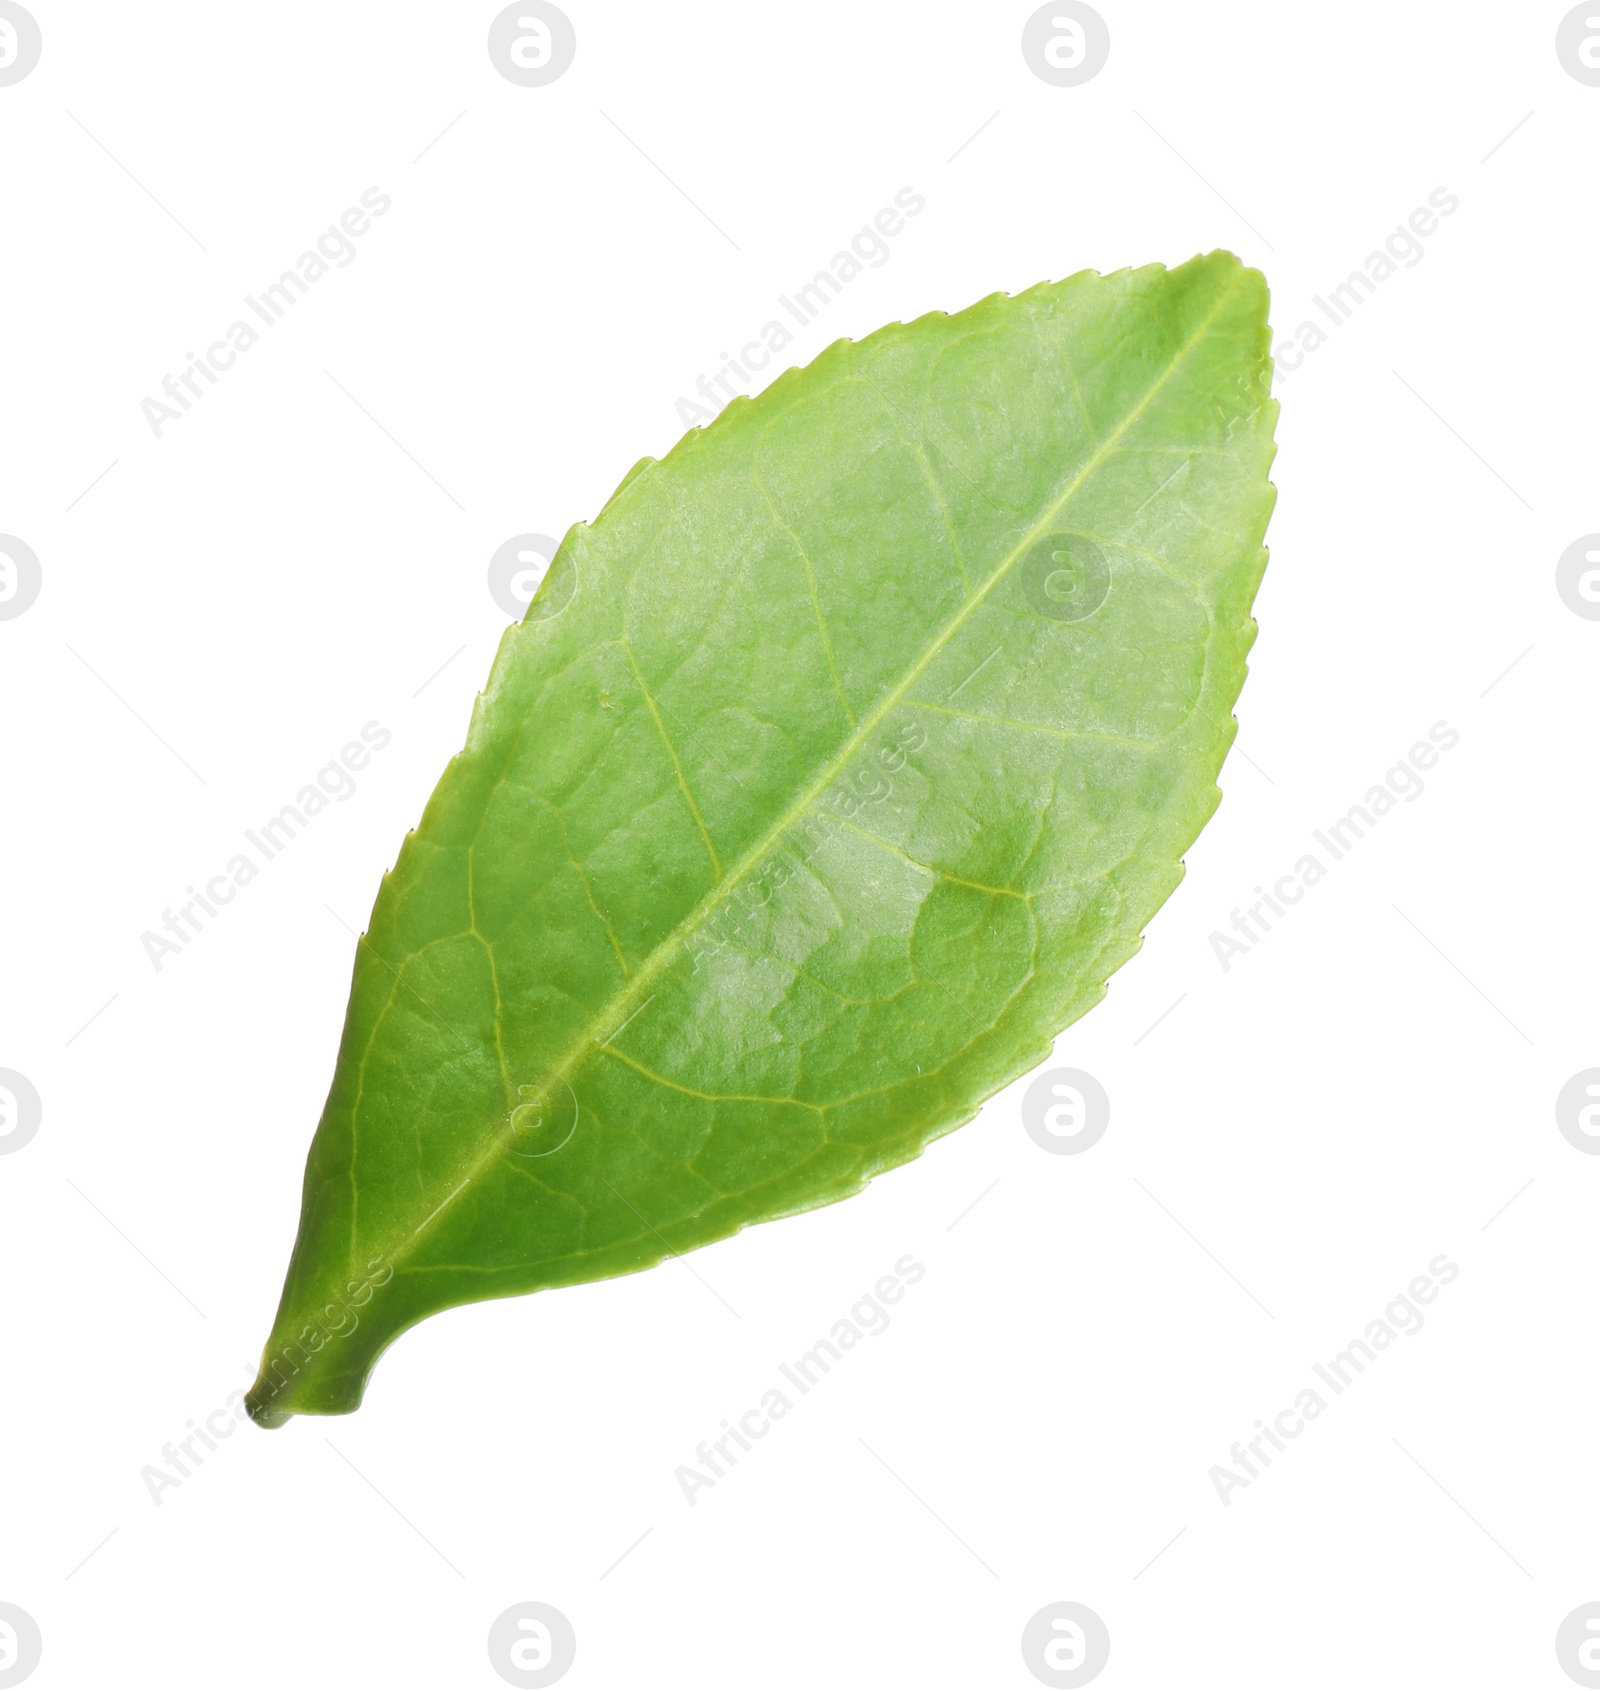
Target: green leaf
{"type": "Point", "coordinates": [834, 768]}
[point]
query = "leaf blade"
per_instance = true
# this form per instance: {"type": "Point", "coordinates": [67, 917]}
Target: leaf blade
{"type": "Point", "coordinates": [723, 847]}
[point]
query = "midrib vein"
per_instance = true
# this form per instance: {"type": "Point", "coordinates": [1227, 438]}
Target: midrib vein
{"type": "Point", "coordinates": [618, 1008]}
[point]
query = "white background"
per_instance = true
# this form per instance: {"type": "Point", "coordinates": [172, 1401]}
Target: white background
{"type": "Point", "coordinates": [230, 602]}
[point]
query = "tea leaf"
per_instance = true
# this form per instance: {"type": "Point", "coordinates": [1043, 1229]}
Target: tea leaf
{"type": "Point", "coordinates": [834, 768]}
